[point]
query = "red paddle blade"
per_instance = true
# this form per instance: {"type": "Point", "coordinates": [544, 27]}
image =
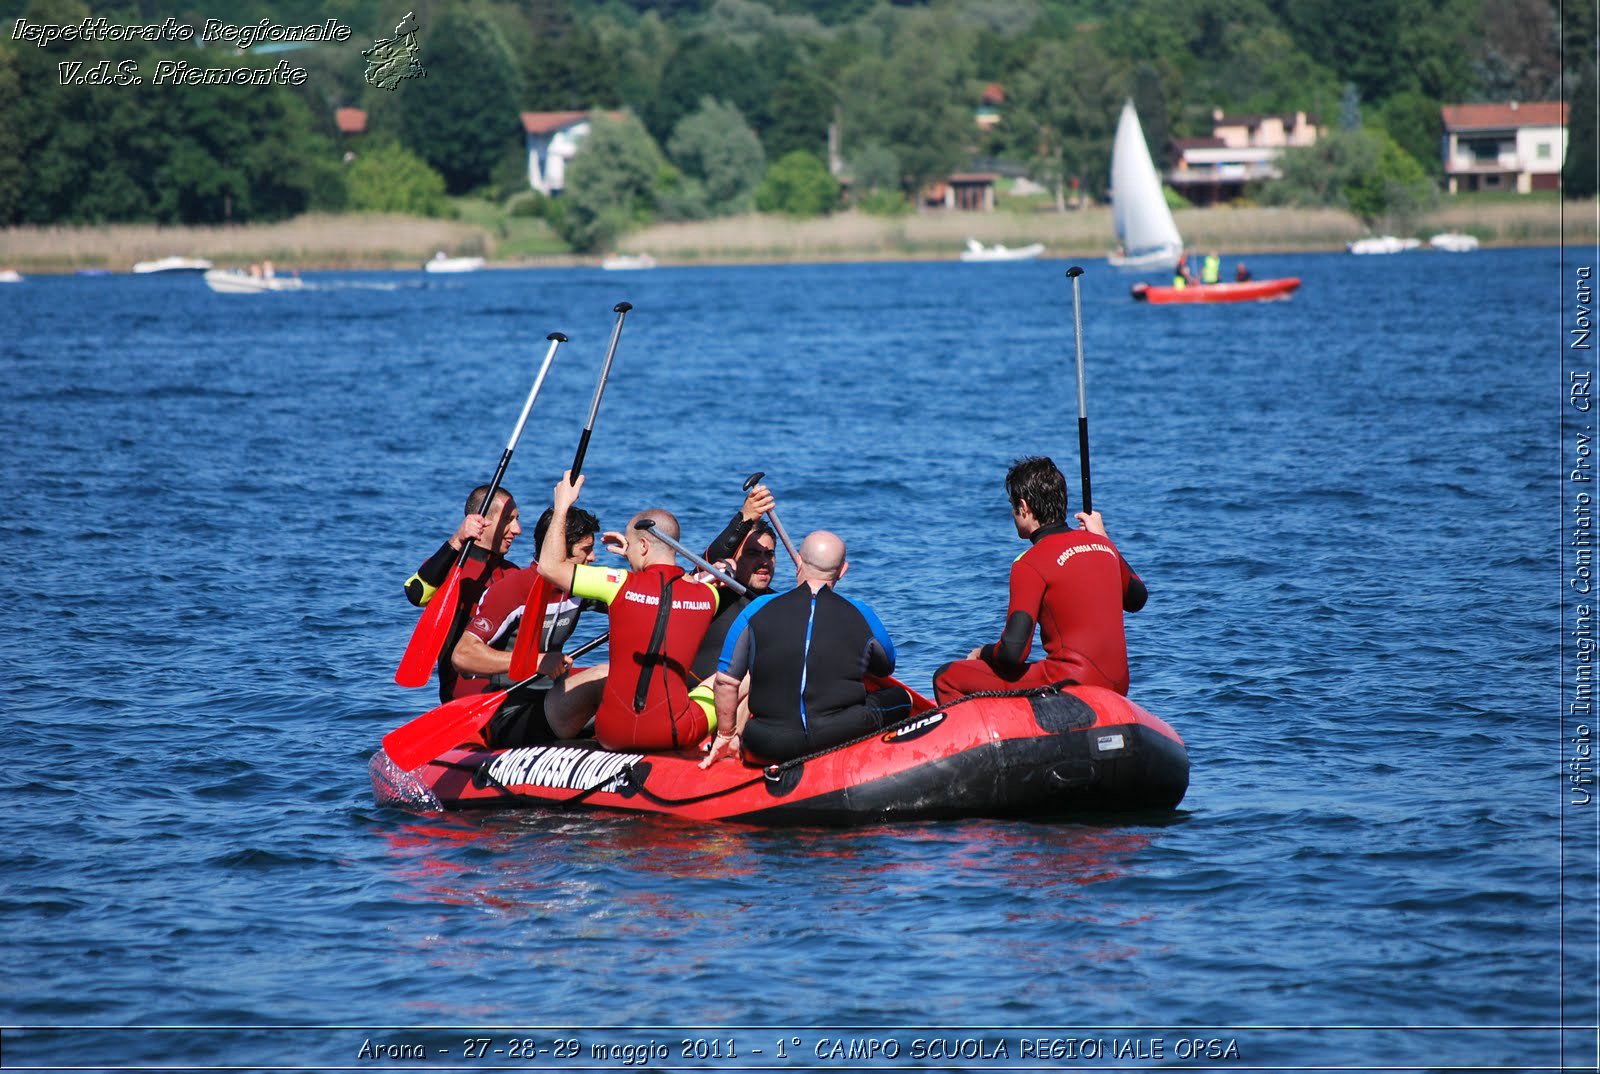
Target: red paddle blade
{"type": "Point", "coordinates": [437, 730]}
{"type": "Point", "coordinates": [422, 652]}
{"type": "Point", "coordinates": [525, 654]}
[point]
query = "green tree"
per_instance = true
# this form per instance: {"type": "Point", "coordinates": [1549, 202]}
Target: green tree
{"type": "Point", "coordinates": [460, 118]}
{"type": "Point", "coordinates": [715, 146]}
{"type": "Point", "coordinates": [564, 64]}
{"type": "Point", "coordinates": [611, 184]}
{"type": "Point", "coordinates": [706, 66]}
{"type": "Point", "coordinates": [1416, 123]}
{"type": "Point", "coordinates": [1067, 125]}
{"type": "Point", "coordinates": [799, 112]}
{"type": "Point", "coordinates": [1580, 172]}
{"type": "Point", "coordinates": [1363, 170]}
{"type": "Point", "coordinates": [917, 100]}
{"type": "Point", "coordinates": [798, 184]}
{"type": "Point", "coordinates": [1393, 191]}
{"type": "Point", "coordinates": [389, 178]}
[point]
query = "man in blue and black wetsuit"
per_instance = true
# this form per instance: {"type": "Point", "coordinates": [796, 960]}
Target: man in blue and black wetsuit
{"type": "Point", "coordinates": [807, 652]}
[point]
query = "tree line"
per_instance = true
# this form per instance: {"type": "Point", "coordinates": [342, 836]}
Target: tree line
{"type": "Point", "coordinates": [728, 103]}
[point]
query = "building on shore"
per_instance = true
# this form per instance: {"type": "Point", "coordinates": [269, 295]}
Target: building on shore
{"type": "Point", "coordinates": [1518, 145]}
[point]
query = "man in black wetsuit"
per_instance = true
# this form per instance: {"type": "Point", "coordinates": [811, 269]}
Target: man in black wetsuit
{"type": "Point", "coordinates": [807, 652]}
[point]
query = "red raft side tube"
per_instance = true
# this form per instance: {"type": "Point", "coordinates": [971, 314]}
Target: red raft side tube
{"type": "Point", "coordinates": [1249, 291]}
{"type": "Point", "coordinates": [1040, 752]}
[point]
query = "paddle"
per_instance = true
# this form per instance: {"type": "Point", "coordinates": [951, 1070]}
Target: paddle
{"type": "Point", "coordinates": [433, 627]}
{"type": "Point", "coordinates": [454, 722]}
{"type": "Point", "coordinates": [772, 517]}
{"type": "Point", "coordinates": [649, 526]}
{"type": "Point", "coordinates": [525, 653]}
{"type": "Point", "coordinates": [1083, 405]}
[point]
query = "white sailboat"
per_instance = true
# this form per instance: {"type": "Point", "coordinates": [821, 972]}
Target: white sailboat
{"type": "Point", "coordinates": [1145, 229]}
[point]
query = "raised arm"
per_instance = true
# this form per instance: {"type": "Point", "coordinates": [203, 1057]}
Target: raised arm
{"type": "Point", "coordinates": [556, 563]}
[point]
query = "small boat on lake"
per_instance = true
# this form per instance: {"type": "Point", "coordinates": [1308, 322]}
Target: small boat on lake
{"type": "Point", "coordinates": [235, 282]}
{"type": "Point", "coordinates": [171, 264]}
{"type": "Point", "coordinates": [1248, 291]}
{"type": "Point", "coordinates": [1146, 233]}
{"type": "Point", "coordinates": [977, 251]}
{"type": "Point", "coordinates": [442, 262]}
{"type": "Point", "coordinates": [627, 262]}
{"type": "Point", "coordinates": [1042, 752]}
{"type": "Point", "coordinates": [1382, 244]}
{"type": "Point", "coordinates": [1454, 242]}
{"type": "Point", "coordinates": [10, 275]}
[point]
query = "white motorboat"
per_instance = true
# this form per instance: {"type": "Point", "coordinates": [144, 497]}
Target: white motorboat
{"type": "Point", "coordinates": [10, 275]}
{"type": "Point", "coordinates": [1454, 242]}
{"type": "Point", "coordinates": [171, 264]}
{"type": "Point", "coordinates": [235, 282]}
{"type": "Point", "coordinates": [627, 262]}
{"type": "Point", "coordinates": [1382, 244]}
{"type": "Point", "coordinates": [977, 251]}
{"type": "Point", "coordinates": [1146, 232]}
{"type": "Point", "coordinates": [442, 262]}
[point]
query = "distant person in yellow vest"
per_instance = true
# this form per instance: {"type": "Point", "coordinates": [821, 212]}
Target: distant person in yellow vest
{"type": "Point", "coordinates": [1211, 268]}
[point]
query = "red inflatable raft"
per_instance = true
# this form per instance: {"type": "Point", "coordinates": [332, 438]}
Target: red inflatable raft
{"type": "Point", "coordinates": [1249, 291]}
{"type": "Point", "coordinates": [1040, 752]}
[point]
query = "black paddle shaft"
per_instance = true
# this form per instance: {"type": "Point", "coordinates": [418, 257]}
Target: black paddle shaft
{"type": "Point", "coordinates": [621, 310]}
{"type": "Point", "coordinates": [1083, 406]}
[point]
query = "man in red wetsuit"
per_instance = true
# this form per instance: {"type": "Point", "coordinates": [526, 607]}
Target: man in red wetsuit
{"type": "Point", "coordinates": [640, 701]}
{"type": "Point", "coordinates": [1073, 584]}
{"type": "Point", "coordinates": [491, 533]}
{"type": "Point", "coordinates": [482, 657]}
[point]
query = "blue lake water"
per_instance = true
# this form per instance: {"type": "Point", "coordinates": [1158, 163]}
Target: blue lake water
{"type": "Point", "coordinates": [1349, 509]}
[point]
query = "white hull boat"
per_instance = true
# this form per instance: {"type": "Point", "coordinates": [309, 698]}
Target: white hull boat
{"type": "Point", "coordinates": [10, 275]}
{"type": "Point", "coordinates": [171, 264]}
{"type": "Point", "coordinates": [627, 262]}
{"type": "Point", "coordinates": [234, 282]}
{"type": "Point", "coordinates": [1146, 233]}
{"type": "Point", "coordinates": [977, 251]}
{"type": "Point", "coordinates": [1454, 242]}
{"type": "Point", "coordinates": [443, 263]}
{"type": "Point", "coordinates": [1382, 244]}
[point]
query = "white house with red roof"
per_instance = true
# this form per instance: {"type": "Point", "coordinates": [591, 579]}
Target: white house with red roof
{"type": "Point", "coordinates": [552, 140]}
{"type": "Point", "coordinates": [1518, 145]}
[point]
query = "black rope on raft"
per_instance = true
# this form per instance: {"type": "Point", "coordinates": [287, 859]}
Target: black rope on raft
{"type": "Point", "coordinates": [771, 772]}
{"type": "Point", "coordinates": [775, 771]}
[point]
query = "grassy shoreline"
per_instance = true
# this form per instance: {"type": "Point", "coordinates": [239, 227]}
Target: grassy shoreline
{"type": "Point", "coordinates": [365, 241]}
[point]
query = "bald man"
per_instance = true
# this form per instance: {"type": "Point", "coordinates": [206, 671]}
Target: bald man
{"type": "Point", "coordinates": [807, 652]}
{"type": "Point", "coordinates": [640, 701]}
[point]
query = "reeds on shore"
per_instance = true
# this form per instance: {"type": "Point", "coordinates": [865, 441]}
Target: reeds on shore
{"type": "Point", "coordinates": [381, 241]}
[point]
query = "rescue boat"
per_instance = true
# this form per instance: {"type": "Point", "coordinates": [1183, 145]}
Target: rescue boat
{"type": "Point", "coordinates": [1248, 291]}
{"type": "Point", "coordinates": [1050, 751]}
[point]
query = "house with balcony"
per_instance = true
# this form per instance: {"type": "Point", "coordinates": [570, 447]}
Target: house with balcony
{"type": "Point", "coordinates": [1242, 149]}
{"type": "Point", "coordinates": [1517, 145]}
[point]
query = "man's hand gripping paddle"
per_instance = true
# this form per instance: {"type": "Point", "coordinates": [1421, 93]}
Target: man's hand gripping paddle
{"type": "Point", "coordinates": [772, 517]}
{"type": "Point", "coordinates": [429, 635]}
